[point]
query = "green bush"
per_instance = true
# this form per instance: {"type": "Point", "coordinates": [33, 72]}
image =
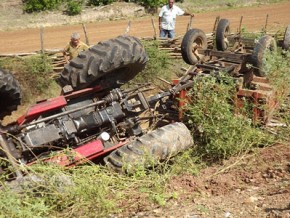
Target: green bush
{"type": "Point", "coordinates": [157, 66]}
{"type": "Point", "coordinates": [74, 7]}
{"type": "Point", "coordinates": [218, 132]}
{"type": "Point", "coordinates": [38, 68]}
{"type": "Point", "coordinates": [277, 69]}
{"type": "Point", "coordinates": [30, 6]}
{"type": "Point", "coordinates": [100, 2]}
{"type": "Point", "coordinates": [153, 3]}
{"type": "Point", "coordinates": [34, 75]}
{"type": "Point", "coordinates": [150, 4]}
{"type": "Point", "coordinates": [80, 192]}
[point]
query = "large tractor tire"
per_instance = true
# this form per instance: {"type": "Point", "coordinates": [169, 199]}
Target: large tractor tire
{"type": "Point", "coordinates": [222, 32]}
{"type": "Point", "coordinates": [265, 44]}
{"type": "Point", "coordinates": [108, 64]}
{"type": "Point", "coordinates": [286, 39]}
{"type": "Point", "coordinates": [193, 40]}
{"type": "Point", "coordinates": [147, 150]}
{"type": "Point", "coordinates": [10, 93]}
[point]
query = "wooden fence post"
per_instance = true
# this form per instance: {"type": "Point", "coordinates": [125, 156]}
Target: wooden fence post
{"type": "Point", "coordinates": [189, 25]}
{"type": "Point", "coordinates": [128, 27]}
{"type": "Point", "coordinates": [41, 40]}
{"type": "Point", "coordinates": [154, 28]}
{"type": "Point", "coordinates": [266, 24]}
{"type": "Point", "coordinates": [85, 31]}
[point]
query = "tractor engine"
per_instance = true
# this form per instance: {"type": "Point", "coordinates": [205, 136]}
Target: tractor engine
{"type": "Point", "coordinates": [72, 121]}
{"type": "Point", "coordinates": [76, 119]}
{"type": "Point", "coordinates": [67, 127]}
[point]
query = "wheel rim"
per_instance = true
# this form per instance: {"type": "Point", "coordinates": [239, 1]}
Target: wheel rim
{"type": "Point", "coordinates": [226, 40]}
{"type": "Point", "coordinates": [197, 44]}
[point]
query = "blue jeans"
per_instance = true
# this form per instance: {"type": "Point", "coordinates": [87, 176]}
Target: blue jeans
{"type": "Point", "coordinates": [168, 33]}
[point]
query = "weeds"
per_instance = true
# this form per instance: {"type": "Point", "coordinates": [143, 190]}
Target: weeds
{"type": "Point", "coordinates": [74, 7]}
{"type": "Point", "coordinates": [159, 66]}
{"type": "Point", "coordinates": [33, 73]}
{"type": "Point", "coordinates": [81, 192]}
{"type": "Point", "coordinates": [277, 67]}
{"type": "Point", "coordinates": [219, 133]}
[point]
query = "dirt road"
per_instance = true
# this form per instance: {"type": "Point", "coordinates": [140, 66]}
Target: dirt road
{"type": "Point", "coordinates": [254, 19]}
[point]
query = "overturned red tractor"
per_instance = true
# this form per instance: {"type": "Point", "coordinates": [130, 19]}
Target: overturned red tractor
{"type": "Point", "coordinates": [100, 121]}
{"type": "Point", "coordinates": [97, 119]}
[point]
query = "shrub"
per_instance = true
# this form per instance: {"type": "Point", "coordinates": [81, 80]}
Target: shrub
{"type": "Point", "coordinates": [157, 66]}
{"type": "Point", "coordinates": [100, 2]}
{"type": "Point", "coordinates": [38, 68]}
{"type": "Point", "coordinates": [33, 73]}
{"type": "Point", "coordinates": [74, 7]}
{"type": "Point", "coordinates": [217, 131]}
{"type": "Point", "coordinates": [153, 3]}
{"type": "Point", "coordinates": [277, 69]}
{"type": "Point", "coordinates": [30, 6]}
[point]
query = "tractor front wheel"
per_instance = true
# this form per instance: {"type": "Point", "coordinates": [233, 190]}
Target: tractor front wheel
{"type": "Point", "coordinates": [109, 64]}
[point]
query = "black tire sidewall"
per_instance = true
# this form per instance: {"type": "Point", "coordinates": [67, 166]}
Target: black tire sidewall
{"type": "Point", "coordinates": [265, 43]}
{"type": "Point", "coordinates": [222, 28]}
{"type": "Point", "coordinates": [106, 59]}
{"type": "Point", "coordinates": [186, 45]}
{"type": "Point", "coordinates": [10, 93]}
{"type": "Point", "coordinates": [286, 39]}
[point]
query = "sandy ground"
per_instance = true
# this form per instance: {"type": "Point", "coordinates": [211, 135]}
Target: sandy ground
{"type": "Point", "coordinates": [55, 37]}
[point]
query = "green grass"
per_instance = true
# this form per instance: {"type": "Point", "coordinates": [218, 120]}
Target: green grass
{"type": "Point", "coordinates": [277, 68]}
{"type": "Point", "coordinates": [34, 73]}
{"type": "Point", "coordinates": [217, 131]}
{"type": "Point", "coordinates": [82, 191]}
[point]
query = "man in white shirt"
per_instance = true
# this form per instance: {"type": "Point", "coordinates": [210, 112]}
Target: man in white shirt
{"type": "Point", "coordinates": [167, 18]}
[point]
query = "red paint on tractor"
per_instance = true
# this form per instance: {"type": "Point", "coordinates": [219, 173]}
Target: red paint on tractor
{"type": "Point", "coordinates": [82, 154]}
{"type": "Point", "coordinates": [41, 107]}
{"type": "Point", "coordinates": [181, 99]}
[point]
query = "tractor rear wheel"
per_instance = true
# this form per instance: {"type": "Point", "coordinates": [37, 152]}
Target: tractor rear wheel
{"type": "Point", "coordinates": [264, 45]}
{"type": "Point", "coordinates": [286, 39]}
{"type": "Point", "coordinates": [193, 40]}
{"type": "Point", "coordinates": [10, 93]}
{"type": "Point", "coordinates": [222, 32]}
{"type": "Point", "coordinates": [109, 64]}
{"type": "Point", "coordinates": [147, 150]}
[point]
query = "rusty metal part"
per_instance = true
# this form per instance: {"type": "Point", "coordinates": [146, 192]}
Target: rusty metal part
{"type": "Point", "coordinates": [262, 98]}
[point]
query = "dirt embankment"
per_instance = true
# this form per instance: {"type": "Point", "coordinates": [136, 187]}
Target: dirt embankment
{"type": "Point", "coordinates": [255, 185]}
{"type": "Point", "coordinates": [28, 40]}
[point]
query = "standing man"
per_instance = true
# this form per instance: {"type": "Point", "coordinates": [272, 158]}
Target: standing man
{"type": "Point", "coordinates": [74, 47]}
{"type": "Point", "coordinates": [167, 18]}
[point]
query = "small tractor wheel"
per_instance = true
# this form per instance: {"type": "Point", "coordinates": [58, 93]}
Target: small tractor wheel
{"type": "Point", "coordinates": [265, 44]}
{"type": "Point", "coordinates": [193, 40]}
{"type": "Point", "coordinates": [286, 39]}
{"type": "Point", "coordinates": [222, 32]}
{"type": "Point", "coordinates": [148, 149]}
{"type": "Point", "coordinates": [10, 93]}
{"type": "Point", "coordinates": [109, 64]}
